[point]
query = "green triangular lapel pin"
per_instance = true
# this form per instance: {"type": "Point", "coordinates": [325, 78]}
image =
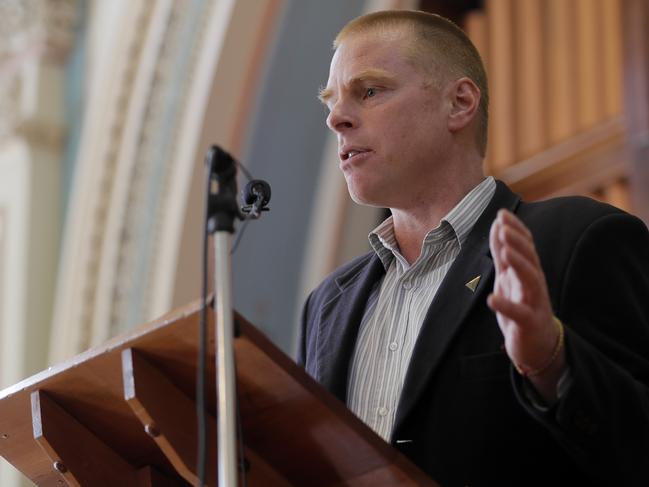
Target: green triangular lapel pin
{"type": "Point", "coordinates": [473, 283]}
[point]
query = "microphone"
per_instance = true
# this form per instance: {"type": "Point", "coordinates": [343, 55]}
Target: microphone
{"type": "Point", "coordinates": [255, 195]}
{"type": "Point", "coordinates": [222, 206]}
{"type": "Point", "coordinates": [221, 164]}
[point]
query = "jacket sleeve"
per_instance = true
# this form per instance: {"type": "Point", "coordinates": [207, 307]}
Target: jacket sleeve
{"type": "Point", "coordinates": [602, 419]}
{"type": "Point", "coordinates": [302, 334]}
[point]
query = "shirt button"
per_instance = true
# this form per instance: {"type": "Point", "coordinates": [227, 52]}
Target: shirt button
{"type": "Point", "coordinates": [383, 411]}
{"type": "Point", "coordinates": [407, 285]}
{"type": "Point", "coordinates": [393, 346]}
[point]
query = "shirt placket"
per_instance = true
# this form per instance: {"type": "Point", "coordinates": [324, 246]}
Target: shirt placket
{"type": "Point", "coordinates": [388, 394]}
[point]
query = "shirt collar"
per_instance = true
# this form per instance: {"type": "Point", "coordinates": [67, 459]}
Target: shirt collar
{"type": "Point", "coordinates": [464, 215]}
{"type": "Point", "coordinates": [457, 223]}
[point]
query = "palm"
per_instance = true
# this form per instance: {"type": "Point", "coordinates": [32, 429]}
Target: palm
{"type": "Point", "coordinates": [520, 297]}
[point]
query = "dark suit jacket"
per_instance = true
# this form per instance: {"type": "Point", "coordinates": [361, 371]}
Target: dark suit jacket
{"type": "Point", "coordinates": [463, 416]}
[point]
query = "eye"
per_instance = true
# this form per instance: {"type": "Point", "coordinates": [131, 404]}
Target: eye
{"type": "Point", "coordinates": [370, 92]}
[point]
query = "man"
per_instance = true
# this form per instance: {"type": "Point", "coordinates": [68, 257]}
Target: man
{"type": "Point", "coordinates": [494, 342]}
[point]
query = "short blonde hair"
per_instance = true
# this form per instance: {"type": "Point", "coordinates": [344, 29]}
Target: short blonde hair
{"type": "Point", "coordinates": [440, 47]}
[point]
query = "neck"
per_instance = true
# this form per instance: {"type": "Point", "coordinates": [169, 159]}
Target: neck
{"type": "Point", "coordinates": [412, 223]}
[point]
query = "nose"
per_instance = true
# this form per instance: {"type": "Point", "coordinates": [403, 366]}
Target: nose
{"type": "Point", "coordinates": [340, 117]}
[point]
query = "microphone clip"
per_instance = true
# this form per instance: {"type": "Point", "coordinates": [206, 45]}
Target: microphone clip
{"type": "Point", "coordinates": [255, 195]}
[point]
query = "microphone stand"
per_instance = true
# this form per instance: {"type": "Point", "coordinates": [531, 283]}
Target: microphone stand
{"type": "Point", "coordinates": [225, 363]}
{"type": "Point", "coordinates": [222, 210]}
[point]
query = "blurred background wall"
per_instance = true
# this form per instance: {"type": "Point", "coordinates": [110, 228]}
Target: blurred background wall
{"type": "Point", "coordinates": [107, 109]}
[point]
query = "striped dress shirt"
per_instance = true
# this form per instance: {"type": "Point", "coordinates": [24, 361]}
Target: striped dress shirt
{"type": "Point", "coordinates": [397, 306]}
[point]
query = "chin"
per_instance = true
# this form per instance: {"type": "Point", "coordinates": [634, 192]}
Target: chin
{"type": "Point", "coordinates": [366, 194]}
{"type": "Point", "coordinates": [365, 199]}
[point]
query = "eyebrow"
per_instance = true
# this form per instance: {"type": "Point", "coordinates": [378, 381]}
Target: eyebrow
{"type": "Point", "coordinates": [372, 74]}
{"type": "Point", "coordinates": [324, 94]}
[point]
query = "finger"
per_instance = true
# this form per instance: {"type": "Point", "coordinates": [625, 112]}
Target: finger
{"type": "Point", "coordinates": [513, 231]}
{"type": "Point", "coordinates": [495, 245]}
{"type": "Point", "coordinates": [508, 218]}
{"type": "Point", "coordinates": [527, 273]}
{"type": "Point", "coordinates": [516, 312]}
{"type": "Point", "coordinates": [511, 239]}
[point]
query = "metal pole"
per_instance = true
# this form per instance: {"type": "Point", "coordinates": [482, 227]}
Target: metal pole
{"type": "Point", "coordinates": [225, 384]}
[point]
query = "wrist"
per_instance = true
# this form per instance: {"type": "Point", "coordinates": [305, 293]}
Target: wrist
{"type": "Point", "coordinates": [547, 366]}
{"type": "Point", "coordinates": [545, 378]}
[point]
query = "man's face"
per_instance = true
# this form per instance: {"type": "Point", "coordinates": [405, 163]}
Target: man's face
{"type": "Point", "coordinates": [389, 119]}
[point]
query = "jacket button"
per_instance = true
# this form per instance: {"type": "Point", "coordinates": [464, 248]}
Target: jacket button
{"type": "Point", "coordinates": [584, 423]}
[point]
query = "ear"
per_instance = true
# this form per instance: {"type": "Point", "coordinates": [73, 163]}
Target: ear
{"type": "Point", "coordinates": [465, 99]}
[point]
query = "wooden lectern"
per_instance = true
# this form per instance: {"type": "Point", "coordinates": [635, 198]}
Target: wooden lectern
{"type": "Point", "coordinates": [123, 415]}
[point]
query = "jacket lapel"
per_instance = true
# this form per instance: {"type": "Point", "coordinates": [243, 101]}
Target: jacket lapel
{"type": "Point", "coordinates": [452, 303]}
{"type": "Point", "coordinates": [339, 323]}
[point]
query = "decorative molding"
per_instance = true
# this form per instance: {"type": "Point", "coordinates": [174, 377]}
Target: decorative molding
{"type": "Point", "coordinates": [581, 164]}
{"type": "Point", "coordinates": [24, 23]}
{"type": "Point", "coordinates": [138, 156]}
{"type": "Point", "coordinates": [139, 164]}
{"type": "Point", "coordinates": [109, 161]}
{"type": "Point", "coordinates": [144, 205]}
{"type": "Point", "coordinates": [85, 230]}
{"type": "Point", "coordinates": [33, 33]}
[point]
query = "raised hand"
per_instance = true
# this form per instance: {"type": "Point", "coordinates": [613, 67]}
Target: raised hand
{"type": "Point", "coordinates": [533, 337]}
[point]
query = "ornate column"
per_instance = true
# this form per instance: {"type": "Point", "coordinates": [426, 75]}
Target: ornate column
{"type": "Point", "coordinates": [35, 38]}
